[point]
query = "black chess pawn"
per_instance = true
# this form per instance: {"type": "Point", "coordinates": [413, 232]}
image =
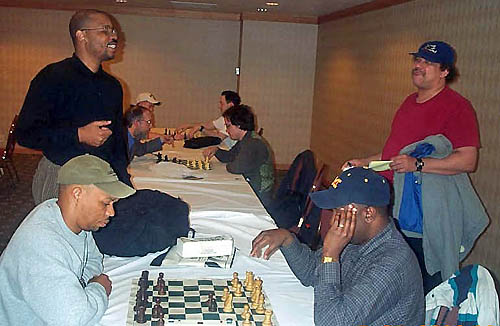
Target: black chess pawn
{"type": "Point", "coordinates": [161, 321]}
{"type": "Point", "coordinates": [141, 315]}
{"type": "Point", "coordinates": [157, 311]}
{"type": "Point", "coordinates": [212, 305]}
{"type": "Point", "coordinates": [161, 287]}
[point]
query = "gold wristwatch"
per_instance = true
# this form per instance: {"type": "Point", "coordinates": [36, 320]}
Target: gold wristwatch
{"type": "Point", "coordinates": [328, 259]}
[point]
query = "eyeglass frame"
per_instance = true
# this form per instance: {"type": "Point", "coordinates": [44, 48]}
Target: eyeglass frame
{"type": "Point", "coordinates": [106, 28]}
{"type": "Point", "coordinates": [149, 122]}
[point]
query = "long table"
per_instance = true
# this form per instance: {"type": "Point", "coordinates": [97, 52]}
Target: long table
{"type": "Point", "coordinates": [221, 203]}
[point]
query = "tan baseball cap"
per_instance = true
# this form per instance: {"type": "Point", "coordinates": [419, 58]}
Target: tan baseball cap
{"type": "Point", "coordinates": [146, 97]}
{"type": "Point", "coordinates": [88, 169]}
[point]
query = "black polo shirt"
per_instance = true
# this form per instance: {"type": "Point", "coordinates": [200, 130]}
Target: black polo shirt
{"type": "Point", "coordinates": [67, 95]}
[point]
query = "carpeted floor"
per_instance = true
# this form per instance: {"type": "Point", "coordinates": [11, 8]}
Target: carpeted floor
{"type": "Point", "coordinates": [16, 202]}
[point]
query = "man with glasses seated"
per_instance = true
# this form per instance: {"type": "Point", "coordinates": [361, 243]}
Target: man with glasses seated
{"type": "Point", "coordinates": [74, 107]}
{"type": "Point", "coordinates": [251, 156]}
{"type": "Point", "coordinates": [138, 121]}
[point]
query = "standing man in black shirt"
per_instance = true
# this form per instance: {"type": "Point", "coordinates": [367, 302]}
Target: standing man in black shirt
{"type": "Point", "coordinates": [74, 107]}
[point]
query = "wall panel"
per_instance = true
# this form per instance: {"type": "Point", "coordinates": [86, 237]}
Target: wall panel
{"type": "Point", "coordinates": [277, 78]}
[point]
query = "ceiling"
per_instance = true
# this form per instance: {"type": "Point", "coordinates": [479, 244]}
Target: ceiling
{"type": "Point", "coordinates": [296, 8]}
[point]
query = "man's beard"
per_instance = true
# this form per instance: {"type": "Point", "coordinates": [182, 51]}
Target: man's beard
{"type": "Point", "coordinates": [140, 135]}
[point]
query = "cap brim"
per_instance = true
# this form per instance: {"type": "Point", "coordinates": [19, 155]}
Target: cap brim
{"type": "Point", "coordinates": [325, 199]}
{"type": "Point", "coordinates": [116, 189]}
{"type": "Point", "coordinates": [425, 56]}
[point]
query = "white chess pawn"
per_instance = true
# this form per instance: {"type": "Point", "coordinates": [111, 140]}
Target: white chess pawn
{"type": "Point", "coordinates": [239, 291]}
{"type": "Point", "coordinates": [246, 311]}
{"type": "Point", "coordinates": [267, 319]}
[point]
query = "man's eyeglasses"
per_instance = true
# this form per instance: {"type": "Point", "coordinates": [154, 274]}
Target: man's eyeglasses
{"type": "Point", "coordinates": [106, 29]}
{"type": "Point", "coordinates": [147, 121]}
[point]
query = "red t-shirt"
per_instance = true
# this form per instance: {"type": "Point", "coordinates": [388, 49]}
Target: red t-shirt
{"type": "Point", "coordinates": [448, 113]}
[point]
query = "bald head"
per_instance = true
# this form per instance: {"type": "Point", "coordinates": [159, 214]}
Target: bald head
{"type": "Point", "coordinates": [81, 19]}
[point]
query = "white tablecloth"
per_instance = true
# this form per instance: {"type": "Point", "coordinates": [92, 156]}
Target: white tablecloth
{"type": "Point", "coordinates": [221, 203]}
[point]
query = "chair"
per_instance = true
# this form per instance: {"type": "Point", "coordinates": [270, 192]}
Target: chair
{"type": "Point", "coordinates": [468, 297]}
{"type": "Point", "coordinates": [290, 198]}
{"type": "Point", "coordinates": [308, 228]}
{"type": "Point", "coordinates": [6, 162]}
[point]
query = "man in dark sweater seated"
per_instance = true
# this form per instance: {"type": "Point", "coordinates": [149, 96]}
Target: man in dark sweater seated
{"type": "Point", "coordinates": [365, 274]}
{"type": "Point", "coordinates": [251, 156]}
{"type": "Point", "coordinates": [139, 122]}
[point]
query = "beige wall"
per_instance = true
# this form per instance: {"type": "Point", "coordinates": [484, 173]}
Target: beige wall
{"type": "Point", "coordinates": [363, 75]}
{"type": "Point", "coordinates": [186, 63]}
{"type": "Point", "coordinates": [277, 79]}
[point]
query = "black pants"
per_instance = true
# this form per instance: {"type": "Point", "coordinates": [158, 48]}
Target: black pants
{"type": "Point", "coordinates": [430, 281]}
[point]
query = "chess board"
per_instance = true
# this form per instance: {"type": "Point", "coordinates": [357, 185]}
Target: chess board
{"type": "Point", "coordinates": [185, 304]}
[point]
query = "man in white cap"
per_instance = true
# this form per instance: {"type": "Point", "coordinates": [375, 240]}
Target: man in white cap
{"type": "Point", "coordinates": [147, 101]}
{"type": "Point", "coordinates": [51, 270]}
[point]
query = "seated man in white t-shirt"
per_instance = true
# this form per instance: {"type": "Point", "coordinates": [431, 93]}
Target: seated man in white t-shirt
{"type": "Point", "coordinates": [216, 127]}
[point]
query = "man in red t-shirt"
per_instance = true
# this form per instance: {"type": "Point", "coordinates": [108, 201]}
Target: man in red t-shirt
{"type": "Point", "coordinates": [433, 109]}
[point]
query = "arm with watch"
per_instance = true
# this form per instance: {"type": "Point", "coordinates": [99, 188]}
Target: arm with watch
{"type": "Point", "coordinates": [461, 160]}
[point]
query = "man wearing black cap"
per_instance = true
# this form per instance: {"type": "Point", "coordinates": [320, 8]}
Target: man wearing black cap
{"type": "Point", "coordinates": [365, 274]}
{"type": "Point", "coordinates": [434, 109]}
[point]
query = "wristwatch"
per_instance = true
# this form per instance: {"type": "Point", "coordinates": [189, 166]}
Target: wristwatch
{"type": "Point", "coordinates": [419, 164]}
{"type": "Point", "coordinates": [328, 259]}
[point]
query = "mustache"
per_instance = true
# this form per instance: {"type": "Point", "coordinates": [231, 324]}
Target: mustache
{"type": "Point", "coordinates": [414, 70]}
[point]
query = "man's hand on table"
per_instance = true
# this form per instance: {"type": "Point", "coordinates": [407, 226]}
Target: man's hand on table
{"type": "Point", "coordinates": [104, 280]}
{"type": "Point", "coordinates": [209, 152]}
{"type": "Point", "coordinates": [273, 239]}
{"type": "Point", "coordinates": [167, 139]}
{"type": "Point", "coordinates": [94, 133]}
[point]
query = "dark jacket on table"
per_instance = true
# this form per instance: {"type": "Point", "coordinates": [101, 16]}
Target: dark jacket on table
{"type": "Point", "coordinates": [251, 157]}
{"type": "Point", "coordinates": [67, 95]}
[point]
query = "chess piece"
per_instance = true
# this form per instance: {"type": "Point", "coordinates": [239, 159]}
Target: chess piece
{"type": "Point", "coordinates": [238, 292]}
{"type": "Point", "coordinates": [247, 321]}
{"type": "Point", "coordinates": [250, 282]}
{"type": "Point", "coordinates": [235, 280]}
{"type": "Point", "coordinates": [259, 282]}
{"type": "Point", "coordinates": [226, 292]}
{"type": "Point", "coordinates": [142, 298]}
{"type": "Point", "coordinates": [228, 304]}
{"type": "Point", "coordinates": [161, 287]}
{"type": "Point", "coordinates": [255, 298]}
{"type": "Point", "coordinates": [260, 305]}
{"type": "Point", "coordinates": [246, 311]}
{"type": "Point", "coordinates": [161, 321]}
{"type": "Point", "coordinates": [145, 275]}
{"type": "Point", "coordinates": [267, 319]}
{"type": "Point", "coordinates": [141, 315]}
{"type": "Point", "coordinates": [157, 309]}
{"type": "Point", "coordinates": [212, 306]}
